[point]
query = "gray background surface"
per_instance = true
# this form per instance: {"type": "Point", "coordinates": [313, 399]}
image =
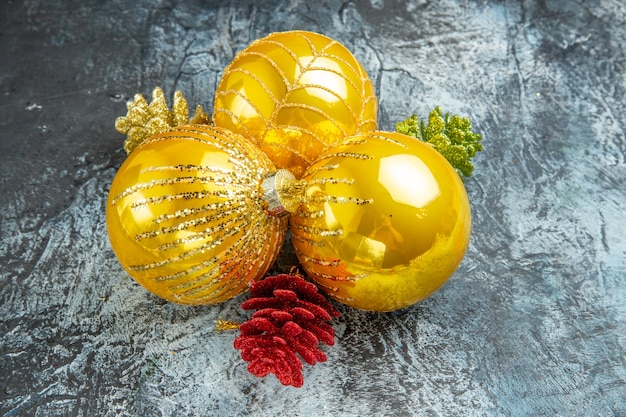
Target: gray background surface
{"type": "Point", "coordinates": [532, 323]}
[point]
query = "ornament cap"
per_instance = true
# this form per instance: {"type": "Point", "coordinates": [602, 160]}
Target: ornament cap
{"type": "Point", "coordinates": [282, 192]}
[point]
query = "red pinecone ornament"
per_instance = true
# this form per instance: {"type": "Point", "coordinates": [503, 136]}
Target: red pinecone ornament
{"type": "Point", "coordinates": [292, 317]}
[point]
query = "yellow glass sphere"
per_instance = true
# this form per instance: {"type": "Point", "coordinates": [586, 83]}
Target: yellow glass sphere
{"type": "Point", "coordinates": [386, 221]}
{"type": "Point", "coordinates": [295, 93]}
{"type": "Point", "coordinates": [186, 215]}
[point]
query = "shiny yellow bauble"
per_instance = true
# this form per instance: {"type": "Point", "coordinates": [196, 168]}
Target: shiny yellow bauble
{"type": "Point", "coordinates": [187, 218]}
{"type": "Point", "coordinates": [386, 221]}
{"type": "Point", "coordinates": [295, 93]}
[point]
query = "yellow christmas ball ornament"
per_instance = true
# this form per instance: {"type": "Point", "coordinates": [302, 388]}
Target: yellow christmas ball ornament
{"type": "Point", "coordinates": [384, 223]}
{"type": "Point", "coordinates": [190, 214]}
{"type": "Point", "coordinates": [295, 93]}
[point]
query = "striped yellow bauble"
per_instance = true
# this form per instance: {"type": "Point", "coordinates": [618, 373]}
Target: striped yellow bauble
{"type": "Point", "coordinates": [295, 93]}
{"type": "Point", "coordinates": [188, 217]}
{"type": "Point", "coordinates": [384, 223]}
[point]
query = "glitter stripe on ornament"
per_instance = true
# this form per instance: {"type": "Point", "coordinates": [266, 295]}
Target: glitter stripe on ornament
{"type": "Point", "coordinates": [322, 181]}
{"type": "Point", "coordinates": [209, 279]}
{"type": "Point", "coordinates": [344, 155]}
{"type": "Point", "coordinates": [188, 168]}
{"type": "Point", "coordinates": [334, 276]}
{"type": "Point", "coordinates": [197, 195]}
{"type": "Point", "coordinates": [221, 210]}
{"type": "Point", "coordinates": [205, 265]}
{"type": "Point", "coordinates": [316, 231]}
{"type": "Point", "coordinates": [184, 255]}
{"type": "Point", "coordinates": [316, 169]}
{"type": "Point", "coordinates": [306, 240]}
{"type": "Point", "coordinates": [248, 264]}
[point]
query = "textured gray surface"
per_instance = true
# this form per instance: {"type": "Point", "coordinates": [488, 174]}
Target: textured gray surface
{"type": "Point", "coordinates": [533, 322]}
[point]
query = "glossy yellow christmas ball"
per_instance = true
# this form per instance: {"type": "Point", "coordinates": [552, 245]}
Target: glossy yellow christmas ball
{"type": "Point", "coordinates": [295, 93]}
{"type": "Point", "coordinates": [386, 221]}
{"type": "Point", "coordinates": [187, 217]}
